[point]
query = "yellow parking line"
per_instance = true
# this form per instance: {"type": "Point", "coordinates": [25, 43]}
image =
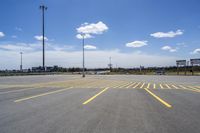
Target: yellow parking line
{"type": "Point", "coordinates": [159, 99]}
{"type": "Point", "coordinates": [19, 90]}
{"type": "Point", "coordinates": [168, 86]}
{"type": "Point", "coordinates": [194, 88]}
{"type": "Point", "coordinates": [131, 85]}
{"type": "Point", "coordinates": [142, 85]}
{"type": "Point", "coordinates": [125, 85]}
{"type": "Point", "coordinates": [175, 86]}
{"type": "Point", "coordinates": [112, 85]}
{"type": "Point", "coordinates": [161, 86]}
{"type": "Point", "coordinates": [43, 94]}
{"type": "Point", "coordinates": [120, 86]}
{"type": "Point", "coordinates": [92, 98]}
{"type": "Point", "coordinates": [154, 86]}
{"type": "Point", "coordinates": [117, 85]}
{"type": "Point", "coordinates": [183, 87]}
{"type": "Point", "coordinates": [148, 85]}
{"type": "Point", "coordinates": [136, 85]}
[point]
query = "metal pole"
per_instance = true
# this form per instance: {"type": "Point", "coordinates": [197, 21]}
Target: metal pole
{"type": "Point", "coordinates": [185, 69]}
{"type": "Point", "coordinates": [177, 70]}
{"type": "Point", "coordinates": [83, 57]}
{"type": "Point", "coordinates": [110, 64]}
{"type": "Point", "coordinates": [21, 62]}
{"type": "Point", "coordinates": [192, 69]}
{"type": "Point", "coordinates": [43, 37]}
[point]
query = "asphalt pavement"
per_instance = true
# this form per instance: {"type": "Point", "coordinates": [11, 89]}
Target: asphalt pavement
{"type": "Point", "coordinates": [100, 104]}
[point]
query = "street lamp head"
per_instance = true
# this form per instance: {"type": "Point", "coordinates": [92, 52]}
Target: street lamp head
{"type": "Point", "coordinates": [82, 34]}
{"type": "Point", "coordinates": [43, 7]}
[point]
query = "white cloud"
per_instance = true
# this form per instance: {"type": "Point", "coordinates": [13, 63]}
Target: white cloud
{"type": "Point", "coordinates": [18, 28]}
{"type": "Point", "coordinates": [168, 48]}
{"type": "Point", "coordinates": [182, 44]}
{"type": "Point", "coordinates": [14, 36]}
{"type": "Point", "coordinates": [169, 34]}
{"type": "Point", "coordinates": [32, 47]}
{"type": "Point", "coordinates": [93, 28]}
{"type": "Point", "coordinates": [136, 44]}
{"type": "Point", "coordinates": [86, 36]}
{"type": "Point", "coordinates": [94, 59]}
{"type": "Point", "coordinates": [39, 38]}
{"type": "Point", "coordinates": [90, 47]}
{"type": "Point", "coordinates": [196, 51]}
{"type": "Point", "coordinates": [17, 47]}
{"type": "Point", "coordinates": [2, 34]}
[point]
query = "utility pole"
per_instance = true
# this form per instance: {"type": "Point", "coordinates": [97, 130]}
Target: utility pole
{"type": "Point", "coordinates": [43, 8]}
{"type": "Point", "coordinates": [21, 62]}
{"type": "Point", "coordinates": [83, 43]}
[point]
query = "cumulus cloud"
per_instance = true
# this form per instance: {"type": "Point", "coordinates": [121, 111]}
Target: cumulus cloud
{"type": "Point", "coordinates": [2, 34]}
{"type": "Point", "coordinates": [93, 28]}
{"type": "Point", "coordinates": [169, 34]}
{"type": "Point", "coordinates": [168, 48]}
{"type": "Point", "coordinates": [86, 36]}
{"type": "Point", "coordinates": [90, 47]}
{"type": "Point", "coordinates": [136, 44]}
{"type": "Point", "coordinates": [39, 38]}
{"type": "Point", "coordinates": [196, 51]}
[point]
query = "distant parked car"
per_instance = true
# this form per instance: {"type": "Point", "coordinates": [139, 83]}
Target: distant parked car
{"type": "Point", "coordinates": [160, 72]}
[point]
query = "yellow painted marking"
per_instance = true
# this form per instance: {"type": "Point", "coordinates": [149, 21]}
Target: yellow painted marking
{"type": "Point", "coordinates": [20, 90]}
{"type": "Point", "coordinates": [43, 94]}
{"type": "Point", "coordinates": [92, 98]}
{"type": "Point", "coordinates": [148, 85]}
{"type": "Point", "coordinates": [112, 85]}
{"type": "Point", "coordinates": [183, 87]}
{"type": "Point", "coordinates": [161, 86]}
{"type": "Point", "coordinates": [130, 85]}
{"type": "Point", "coordinates": [154, 86]}
{"type": "Point", "coordinates": [117, 85]}
{"type": "Point", "coordinates": [194, 88]}
{"type": "Point", "coordinates": [136, 85]}
{"type": "Point", "coordinates": [142, 85]}
{"type": "Point", "coordinates": [124, 85]}
{"type": "Point", "coordinates": [121, 85]}
{"type": "Point", "coordinates": [159, 99]}
{"type": "Point", "coordinates": [175, 86]}
{"type": "Point", "coordinates": [168, 86]}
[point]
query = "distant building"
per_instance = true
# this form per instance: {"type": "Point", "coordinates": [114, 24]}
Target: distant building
{"type": "Point", "coordinates": [47, 69]}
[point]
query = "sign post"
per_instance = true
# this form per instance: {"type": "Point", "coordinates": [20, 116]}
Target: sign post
{"type": "Point", "coordinates": [180, 63]}
{"type": "Point", "coordinates": [194, 62]}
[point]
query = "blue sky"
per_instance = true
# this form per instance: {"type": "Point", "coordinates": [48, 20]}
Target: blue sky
{"type": "Point", "coordinates": [132, 32]}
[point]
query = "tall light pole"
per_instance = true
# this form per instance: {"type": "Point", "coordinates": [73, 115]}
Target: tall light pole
{"type": "Point", "coordinates": [43, 8]}
{"type": "Point", "coordinates": [83, 43]}
{"type": "Point", "coordinates": [21, 61]}
{"type": "Point", "coordinates": [110, 64]}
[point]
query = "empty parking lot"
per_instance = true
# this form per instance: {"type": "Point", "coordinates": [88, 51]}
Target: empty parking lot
{"type": "Point", "coordinates": [99, 104]}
